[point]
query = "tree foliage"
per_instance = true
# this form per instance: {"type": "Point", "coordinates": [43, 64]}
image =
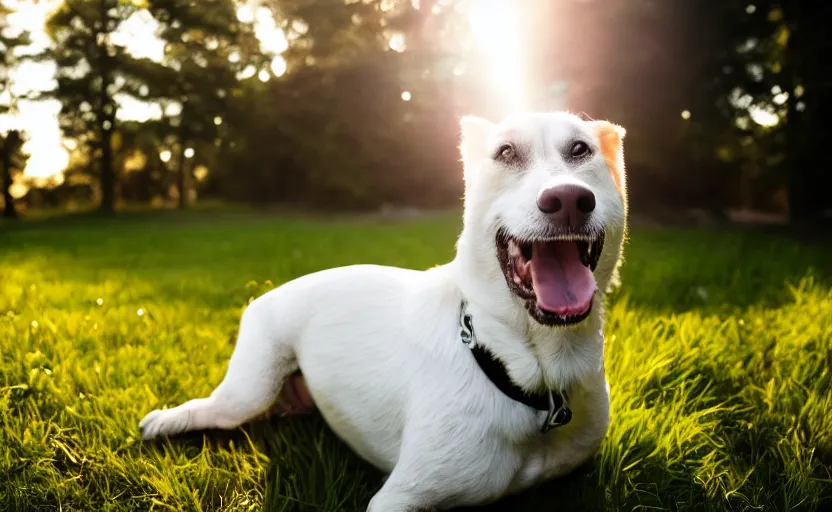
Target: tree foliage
{"type": "Point", "coordinates": [334, 131]}
{"type": "Point", "coordinates": [724, 102]}
{"type": "Point", "coordinates": [206, 49]}
{"type": "Point", "coordinates": [93, 71]}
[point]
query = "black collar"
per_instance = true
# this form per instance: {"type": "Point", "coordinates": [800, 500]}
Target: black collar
{"type": "Point", "coordinates": [553, 403]}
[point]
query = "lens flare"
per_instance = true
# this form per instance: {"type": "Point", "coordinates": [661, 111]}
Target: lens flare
{"type": "Point", "coordinates": [495, 25]}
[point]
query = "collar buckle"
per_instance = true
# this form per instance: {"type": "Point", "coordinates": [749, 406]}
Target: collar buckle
{"type": "Point", "coordinates": [559, 412]}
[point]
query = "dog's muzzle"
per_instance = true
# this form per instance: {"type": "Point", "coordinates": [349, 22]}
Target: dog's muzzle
{"type": "Point", "coordinates": [552, 274]}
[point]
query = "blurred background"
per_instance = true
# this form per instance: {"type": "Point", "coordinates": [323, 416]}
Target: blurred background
{"type": "Point", "coordinates": [353, 104]}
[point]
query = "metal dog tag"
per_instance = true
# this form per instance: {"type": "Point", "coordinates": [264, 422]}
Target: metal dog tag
{"type": "Point", "coordinates": [559, 413]}
{"type": "Point", "coordinates": [466, 325]}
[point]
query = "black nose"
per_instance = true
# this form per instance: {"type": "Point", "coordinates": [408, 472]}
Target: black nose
{"type": "Point", "coordinates": [568, 205]}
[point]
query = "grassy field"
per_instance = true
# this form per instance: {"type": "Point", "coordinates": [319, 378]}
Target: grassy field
{"type": "Point", "coordinates": [719, 349]}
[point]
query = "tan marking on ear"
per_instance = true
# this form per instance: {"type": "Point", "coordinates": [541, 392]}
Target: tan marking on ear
{"type": "Point", "coordinates": [611, 136]}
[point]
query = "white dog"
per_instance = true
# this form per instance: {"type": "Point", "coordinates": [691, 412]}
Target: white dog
{"type": "Point", "coordinates": [471, 380]}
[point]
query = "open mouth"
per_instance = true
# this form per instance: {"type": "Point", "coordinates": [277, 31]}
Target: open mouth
{"type": "Point", "coordinates": [553, 275]}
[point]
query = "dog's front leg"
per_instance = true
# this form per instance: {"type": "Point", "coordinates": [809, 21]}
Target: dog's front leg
{"type": "Point", "coordinates": [445, 461]}
{"type": "Point", "coordinates": [402, 494]}
{"type": "Point", "coordinates": [564, 455]}
{"type": "Point", "coordinates": [418, 481]}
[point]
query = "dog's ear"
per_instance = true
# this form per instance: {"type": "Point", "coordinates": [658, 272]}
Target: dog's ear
{"type": "Point", "coordinates": [475, 132]}
{"type": "Point", "coordinates": [611, 137]}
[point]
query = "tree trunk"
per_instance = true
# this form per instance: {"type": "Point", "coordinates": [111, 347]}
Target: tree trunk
{"type": "Point", "coordinates": [9, 210]}
{"type": "Point", "coordinates": [108, 178]}
{"type": "Point", "coordinates": [106, 115]}
{"type": "Point", "coordinates": [181, 177]}
{"type": "Point", "coordinates": [796, 172]}
{"type": "Point", "coordinates": [798, 213]}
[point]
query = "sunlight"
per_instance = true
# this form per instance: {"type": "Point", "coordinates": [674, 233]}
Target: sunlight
{"type": "Point", "coordinates": [136, 110]}
{"type": "Point", "coordinates": [30, 16]}
{"type": "Point", "coordinates": [18, 189]}
{"type": "Point", "coordinates": [38, 119]}
{"type": "Point", "coordinates": [31, 76]}
{"type": "Point", "coordinates": [245, 14]}
{"type": "Point", "coordinates": [138, 34]}
{"type": "Point", "coordinates": [48, 157]}
{"type": "Point", "coordinates": [495, 25]}
{"type": "Point", "coordinates": [173, 109]}
{"type": "Point", "coordinates": [247, 72]}
{"type": "Point", "coordinates": [278, 66]}
{"type": "Point", "coordinates": [397, 42]}
{"type": "Point", "coordinates": [200, 172]}
{"type": "Point", "coordinates": [135, 161]}
{"type": "Point", "coordinates": [763, 116]}
{"type": "Point", "coordinates": [272, 38]}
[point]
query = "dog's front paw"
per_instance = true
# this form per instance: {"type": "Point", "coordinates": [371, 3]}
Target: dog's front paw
{"type": "Point", "coordinates": [163, 422]}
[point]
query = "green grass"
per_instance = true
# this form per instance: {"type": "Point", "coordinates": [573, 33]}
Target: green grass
{"type": "Point", "coordinates": [719, 354]}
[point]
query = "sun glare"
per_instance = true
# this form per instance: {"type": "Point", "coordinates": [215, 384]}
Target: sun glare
{"type": "Point", "coordinates": [496, 27]}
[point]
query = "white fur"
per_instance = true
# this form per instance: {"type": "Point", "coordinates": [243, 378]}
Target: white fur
{"type": "Point", "coordinates": [380, 348]}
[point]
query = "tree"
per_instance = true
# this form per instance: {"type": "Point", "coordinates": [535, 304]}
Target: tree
{"type": "Point", "coordinates": [769, 81]}
{"type": "Point", "coordinates": [808, 84]}
{"type": "Point", "coordinates": [11, 160]}
{"type": "Point", "coordinates": [11, 143]}
{"type": "Point", "coordinates": [92, 72]}
{"type": "Point", "coordinates": [336, 131]}
{"type": "Point", "coordinates": [206, 49]}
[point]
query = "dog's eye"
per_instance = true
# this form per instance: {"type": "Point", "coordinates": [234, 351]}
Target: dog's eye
{"type": "Point", "coordinates": [579, 149]}
{"type": "Point", "coordinates": [506, 154]}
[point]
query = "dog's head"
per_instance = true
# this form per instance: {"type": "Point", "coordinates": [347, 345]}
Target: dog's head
{"type": "Point", "coordinates": [545, 210]}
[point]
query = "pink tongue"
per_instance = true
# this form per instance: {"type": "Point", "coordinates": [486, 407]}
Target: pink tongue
{"type": "Point", "coordinates": [562, 284]}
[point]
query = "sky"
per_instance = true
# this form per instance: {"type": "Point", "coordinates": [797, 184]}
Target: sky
{"type": "Point", "coordinates": [494, 24]}
{"type": "Point", "coordinates": [39, 119]}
